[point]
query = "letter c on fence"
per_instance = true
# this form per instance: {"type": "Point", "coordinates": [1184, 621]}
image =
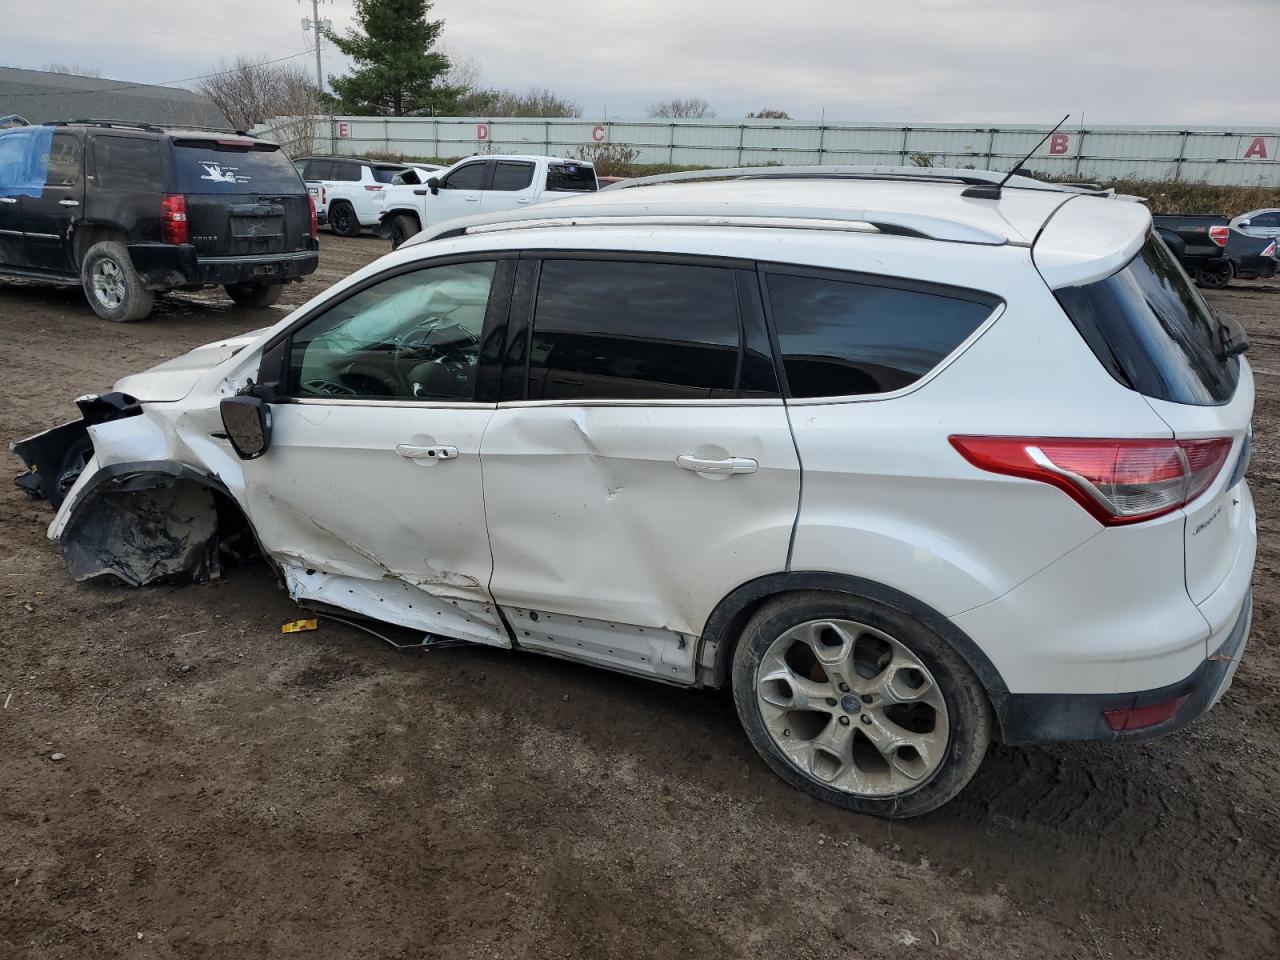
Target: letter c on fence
{"type": "Point", "coordinates": [482, 132]}
{"type": "Point", "coordinates": [1059, 143]}
{"type": "Point", "coordinates": [598, 133]}
{"type": "Point", "coordinates": [1257, 149]}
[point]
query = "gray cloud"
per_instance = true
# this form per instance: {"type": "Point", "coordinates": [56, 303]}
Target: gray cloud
{"type": "Point", "coordinates": [1137, 61]}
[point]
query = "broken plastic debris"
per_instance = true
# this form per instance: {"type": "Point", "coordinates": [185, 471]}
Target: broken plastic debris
{"type": "Point", "coordinates": [297, 626]}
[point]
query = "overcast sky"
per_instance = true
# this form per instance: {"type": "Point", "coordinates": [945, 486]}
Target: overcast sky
{"type": "Point", "coordinates": [1213, 62]}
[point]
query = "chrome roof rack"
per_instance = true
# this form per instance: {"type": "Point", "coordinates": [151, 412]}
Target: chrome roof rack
{"type": "Point", "coordinates": [916, 174]}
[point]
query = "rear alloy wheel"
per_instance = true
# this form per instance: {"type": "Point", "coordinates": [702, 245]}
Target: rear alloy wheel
{"type": "Point", "coordinates": [343, 220]}
{"type": "Point", "coordinates": [254, 294]}
{"type": "Point", "coordinates": [403, 227]}
{"type": "Point", "coordinates": [111, 284]}
{"type": "Point", "coordinates": [1216, 278]}
{"type": "Point", "coordinates": [860, 705]}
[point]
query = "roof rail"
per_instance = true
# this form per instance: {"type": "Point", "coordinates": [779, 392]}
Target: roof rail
{"type": "Point", "coordinates": [143, 125]}
{"type": "Point", "coordinates": [919, 174]}
{"type": "Point", "coordinates": [628, 211]}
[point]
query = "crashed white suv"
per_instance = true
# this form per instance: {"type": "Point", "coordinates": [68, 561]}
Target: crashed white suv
{"type": "Point", "coordinates": [907, 461]}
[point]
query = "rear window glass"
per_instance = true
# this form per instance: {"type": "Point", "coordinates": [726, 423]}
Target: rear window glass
{"type": "Point", "coordinates": [571, 176]}
{"type": "Point", "coordinates": [126, 163]}
{"type": "Point", "coordinates": [209, 167]}
{"type": "Point", "coordinates": [1152, 330]}
{"type": "Point", "coordinates": [842, 338]}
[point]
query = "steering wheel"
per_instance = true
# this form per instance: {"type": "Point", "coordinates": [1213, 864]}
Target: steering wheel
{"type": "Point", "coordinates": [322, 386]}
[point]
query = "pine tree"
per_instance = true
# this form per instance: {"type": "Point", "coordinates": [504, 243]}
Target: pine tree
{"type": "Point", "coordinates": [397, 72]}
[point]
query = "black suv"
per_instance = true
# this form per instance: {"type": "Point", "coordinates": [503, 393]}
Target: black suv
{"type": "Point", "coordinates": [130, 210]}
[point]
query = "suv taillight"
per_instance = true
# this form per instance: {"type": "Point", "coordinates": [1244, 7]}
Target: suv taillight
{"type": "Point", "coordinates": [1118, 481]}
{"type": "Point", "coordinates": [1219, 235]}
{"type": "Point", "coordinates": [315, 222]}
{"type": "Point", "coordinates": [173, 219]}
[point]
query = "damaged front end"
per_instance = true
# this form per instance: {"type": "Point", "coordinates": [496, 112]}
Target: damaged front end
{"type": "Point", "coordinates": [141, 522]}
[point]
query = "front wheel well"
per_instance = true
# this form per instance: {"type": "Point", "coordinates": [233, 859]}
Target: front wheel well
{"type": "Point", "coordinates": [725, 625]}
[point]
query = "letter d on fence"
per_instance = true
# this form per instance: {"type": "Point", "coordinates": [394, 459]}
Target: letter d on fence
{"type": "Point", "coordinates": [482, 132]}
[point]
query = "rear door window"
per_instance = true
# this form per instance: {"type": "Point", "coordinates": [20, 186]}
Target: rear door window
{"type": "Point", "coordinates": [855, 337]}
{"type": "Point", "coordinates": [126, 164]}
{"type": "Point", "coordinates": [13, 162]}
{"type": "Point", "coordinates": [574, 177]}
{"type": "Point", "coordinates": [512, 175]}
{"type": "Point", "coordinates": [209, 166]}
{"type": "Point", "coordinates": [1151, 329]}
{"type": "Point", "coordinates": [606, 329]}
{"type": "Point", "coordinates": [62, 165]}
{"type": "Point", "coordinates": [385, 174]}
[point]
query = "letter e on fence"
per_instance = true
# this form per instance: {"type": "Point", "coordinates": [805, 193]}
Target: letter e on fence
{"type": "Point", "coordinates": [344, 130]}
{"type": "Point", "coordinates": [1261, 148]}
{"type": "Point", "coordinates": [482, 132]}
{"type": "Point", "coordinates": [1059, 143]}
{"type": "Point", "coordinates": [599, 133]}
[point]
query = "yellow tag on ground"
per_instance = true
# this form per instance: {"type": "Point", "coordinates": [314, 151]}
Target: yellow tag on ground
{"type": "Point", "coordinates": [297, 626]}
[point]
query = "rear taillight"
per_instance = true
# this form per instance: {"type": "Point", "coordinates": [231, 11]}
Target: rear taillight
{"type": "Point", "coordinates": [324, 194]}
{"type": "Point", "coordinates": [173, 219]}
{"type": "Point", "coordinates": [315, 222]}
{"type": "Point", "coordinates": [1118, 481]}
{"type": "Point", "coordinates": [1219, 235]}
{"type": "Point", "coordinates": [1270, 250]}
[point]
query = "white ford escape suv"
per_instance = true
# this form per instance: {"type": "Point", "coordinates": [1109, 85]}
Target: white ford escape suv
{"type": "Point", "coordinates": [906, 461]}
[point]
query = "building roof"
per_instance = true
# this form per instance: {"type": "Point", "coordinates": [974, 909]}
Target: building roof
{"type": "Point", "coordinates": [40, 96]}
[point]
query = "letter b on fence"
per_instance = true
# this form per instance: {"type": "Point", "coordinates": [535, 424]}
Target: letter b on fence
{"type": "Point", "coordinates": [1059, 143]}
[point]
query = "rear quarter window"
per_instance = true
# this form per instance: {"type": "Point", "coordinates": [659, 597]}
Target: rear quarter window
{"type": "Point", "coordinates": [849, 336]}
{"type": "Point", "coordinates": [127, 164]}
{"type": "Point", "coordinates": [207, 166]}
{"type": "Point", "coordinates": [1150, 328]}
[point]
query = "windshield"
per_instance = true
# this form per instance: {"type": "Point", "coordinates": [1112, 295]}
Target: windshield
{"type": "Point", "coordinates": [209, 166]}
{"type": "Point", "coordinates": [1153, 331]}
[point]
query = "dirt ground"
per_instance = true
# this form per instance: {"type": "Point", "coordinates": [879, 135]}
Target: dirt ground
{"type": "Point", "coordinates": [228, 791]}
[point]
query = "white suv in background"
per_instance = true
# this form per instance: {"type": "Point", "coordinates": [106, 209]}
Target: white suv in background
{"type": "Point", "coordinates": [348, 191]}
{"type": "Point", "coordinates": [905, 460]}
{"type": "Point", "coordinates": [483, 184]}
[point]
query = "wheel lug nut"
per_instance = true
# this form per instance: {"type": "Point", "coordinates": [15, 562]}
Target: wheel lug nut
{"type": "Point", "coordinates": [844, 721]}
{"type": "Point", "coordinates": [831, 701]}
{"type": "Point", "coordinates": [866, 698]}
{"type": "Point", "coordinates": [866, 718]}
{"type": "Point", "coordinates": [844, 688]}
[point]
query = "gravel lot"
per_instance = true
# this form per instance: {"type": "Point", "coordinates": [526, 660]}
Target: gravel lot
{"type": "Point", "coordinates": [226, 791]}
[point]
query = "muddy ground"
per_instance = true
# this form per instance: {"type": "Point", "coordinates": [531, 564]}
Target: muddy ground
{"type": "Point", "coordinates": [231, 792]}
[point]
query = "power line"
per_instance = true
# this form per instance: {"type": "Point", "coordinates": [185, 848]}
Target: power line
{"type": "Point", "coordinates": [166, 83]}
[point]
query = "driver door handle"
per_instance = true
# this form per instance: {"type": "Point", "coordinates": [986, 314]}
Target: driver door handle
{"type": "Point", "coordinates": [411, 452]}
{"type": "Point", "coordinates": [718, 468]}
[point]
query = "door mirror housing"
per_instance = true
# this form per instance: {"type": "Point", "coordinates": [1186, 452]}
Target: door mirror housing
{"type": "Point", "coordinates": [434, 184]}
{"type": "Point", "coordinates": [247, 421]}
{"type": "Point", "coordinates": [1243, 223]}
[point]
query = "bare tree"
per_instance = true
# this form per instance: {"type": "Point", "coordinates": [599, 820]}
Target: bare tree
{"type": "Point", "coordinates": [253, 91]}
{"type": "Point", "coordinates": [463, 72]}
{"type": "Point", "coordinates": [536, 102]}
{"type": "Point", "coordinates": [682, 108]}
{"type": "Point", "coordinates": [768, 113]}
{"type": "Point", "coordinates": [71, 70]}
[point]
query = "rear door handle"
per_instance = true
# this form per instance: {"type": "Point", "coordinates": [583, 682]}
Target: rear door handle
{"type": "Point", "coordinates": [8, 199]}
{"type": "Point", "coordinates": [411, 452]}
{"type": "Point", "coordinates": [69, 203]}
{"type": "Point", "coordinates": [718, 468]}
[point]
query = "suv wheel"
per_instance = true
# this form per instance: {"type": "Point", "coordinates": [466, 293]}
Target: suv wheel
{"type": "Point", "coordinates": [112, 286]}
{"type": "Point", "coordinates": [403, 227]}
{"type": "Point", "coordinates": [254, 294]}
{"type": "Point", "coordinates": [343, 220]}
{"type": "Point", "coordinates": [859, 704]}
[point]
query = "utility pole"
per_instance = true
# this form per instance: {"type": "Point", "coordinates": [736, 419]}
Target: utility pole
{"type": "Point", "coordinates": [316, 24]}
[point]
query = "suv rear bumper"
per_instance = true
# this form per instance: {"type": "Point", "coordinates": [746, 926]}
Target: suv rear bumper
{"type": "Point", "coordinates": [1055, 717]}
{"type": "Point", "coordinates": [166, 265]}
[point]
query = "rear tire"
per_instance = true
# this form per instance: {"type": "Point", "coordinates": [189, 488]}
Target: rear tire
{"type": "Point", "coordinates": [1218, 278]}
{"type": "Point", "coordinates": [343, 220]}
{"type": "Point", "coordinates": [859, 704]}
{"type": "Point", "coordinates": [254, 294]}
{"type": "Point", "coordinates": [403, 227]}
{"type": "Point", "coordinates": [112, 285]}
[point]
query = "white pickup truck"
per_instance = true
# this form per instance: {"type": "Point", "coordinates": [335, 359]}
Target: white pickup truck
{"type": "Point", "coordinates": [481, 184]}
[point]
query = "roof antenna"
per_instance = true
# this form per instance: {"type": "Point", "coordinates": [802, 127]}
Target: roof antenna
{"type": "Point", "coordinates": [991, 191]}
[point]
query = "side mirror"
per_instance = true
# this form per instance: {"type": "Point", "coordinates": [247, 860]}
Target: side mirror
{"type": "Point", "coordinates": [1243, 223]}
{"type": "Point", "coordinates": [434, 184]}
{"type": "Point", "coordinates": [247, 421]}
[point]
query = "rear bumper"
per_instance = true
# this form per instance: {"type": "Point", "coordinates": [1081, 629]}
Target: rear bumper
{"type": "Point", "coordinates": [1053, 717]}
{"type": "Point", "coordinates": [1261, 268]}
{"type": "Point", "coordinates": [165, 265]}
